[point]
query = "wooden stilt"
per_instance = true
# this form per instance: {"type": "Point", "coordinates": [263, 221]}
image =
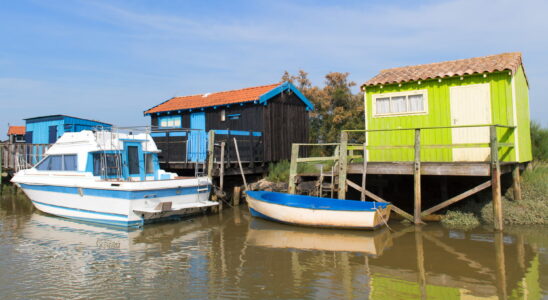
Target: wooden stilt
{"type": "Point", "coordinates": [417, 179]}
{"type": "Point", "coordinates": [240, 164]}
{"type": "Point", "coordinates": [343, 164]}
{"type": "Point", "coordinates": [457, 198]}
{"type": "Point", "coordinates": [364, 175]}
{"type": "Point", "coordinates": [222, 169]}
{"type": "Point", "coordinates": [516, 183]}
{"type": "Point", "coordinates": [293, 168]}
{"type": "Point", "coordinates": [379, 199]}
{"type": "Point", "coordinates": [420, 261]}
{"type": "Point", "coordinates": [211, 154]}
{"type": "Point", "coordinates": [236, 196]}
{"type": "Point", "coordinates": [501, 266]}
{"type": "Point", "coordinates": [495, 181]}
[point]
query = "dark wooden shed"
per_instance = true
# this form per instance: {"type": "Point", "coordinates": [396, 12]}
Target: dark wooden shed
{"type": "Point", "coordinates": [265, 120]}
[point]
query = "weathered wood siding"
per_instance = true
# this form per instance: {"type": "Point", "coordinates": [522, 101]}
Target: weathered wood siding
{"type": "Point", "coordinates": [285, 122]}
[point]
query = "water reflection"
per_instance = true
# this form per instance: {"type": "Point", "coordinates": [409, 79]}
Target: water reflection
{"type": "Point", "coordinates": [235, 256]}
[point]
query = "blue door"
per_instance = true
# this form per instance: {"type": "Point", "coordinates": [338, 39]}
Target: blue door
{"type": "Point", "coordinates": [197, 140]}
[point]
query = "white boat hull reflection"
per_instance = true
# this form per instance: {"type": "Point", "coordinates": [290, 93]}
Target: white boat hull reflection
{"type": "Point", "coordinates": [272, 235]}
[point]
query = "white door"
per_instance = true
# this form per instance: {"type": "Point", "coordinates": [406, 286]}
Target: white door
{"type": "Point", "coordinates": [470, 105]}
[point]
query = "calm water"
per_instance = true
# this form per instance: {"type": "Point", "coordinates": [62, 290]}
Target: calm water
{"type": "Point", "coordinates": [233, 255]}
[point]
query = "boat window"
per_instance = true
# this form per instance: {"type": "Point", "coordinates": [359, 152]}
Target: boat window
{"type": "Point", "coordinates": [106, 164]}
{"type": "Point", "coordinates": [65, 162]}
{"type": "Point", "coordinates": [149, 163]}
{"type": "Point", "coordinates": [69, 162]}
{"type": "Point", "coordinates": [133, 159]}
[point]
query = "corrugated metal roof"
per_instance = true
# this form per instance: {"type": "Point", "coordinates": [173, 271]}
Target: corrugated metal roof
{"type": "Point", "coordinates": [485, 64]}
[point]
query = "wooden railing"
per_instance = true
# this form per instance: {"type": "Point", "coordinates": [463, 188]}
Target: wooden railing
{"type": "Point", "coordinates": [16, 155]}
{"type": "Point", "coordinates": [345, 151]}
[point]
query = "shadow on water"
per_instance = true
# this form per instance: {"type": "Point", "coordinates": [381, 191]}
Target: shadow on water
{"type": "Point", "coordinates": [235, 255]}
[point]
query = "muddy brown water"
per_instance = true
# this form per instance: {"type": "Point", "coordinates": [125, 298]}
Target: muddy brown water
{"type": "Point", "coordinates": [233, 255]}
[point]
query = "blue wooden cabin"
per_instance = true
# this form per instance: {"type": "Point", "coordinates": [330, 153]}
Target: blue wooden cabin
{"type": "Point", "coordinates": [265, 120]}
{"type": "Point", "coordinates": [47, 129]}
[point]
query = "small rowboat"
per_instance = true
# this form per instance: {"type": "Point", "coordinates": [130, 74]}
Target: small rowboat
{"type": "Point", "coordinates": [316, 211]}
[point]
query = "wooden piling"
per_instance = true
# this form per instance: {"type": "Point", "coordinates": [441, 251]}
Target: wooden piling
{"type": "Point", "coordinates": [222, 168]}
{"type": "Point", "coordinates": [364, 176]}
{"type": "Point", "coordinates": [495, 180]}
{"type": "Point", "coordinates": [236, 196]}
{"type": "Point", "coordinates": [516, 183]}
{"type": "Point", "coordinates": [500, 266]}
{"type": "Point", "coordinates": [417, 179]}
{"type": "Point", "coordinates": [293, 168]}
{"type": "Point", "coordinates": [211, 154]}
{"type": "Point", "coordinates": [343, 165]}
{"type": "Point", "coordinates": [419, 244]}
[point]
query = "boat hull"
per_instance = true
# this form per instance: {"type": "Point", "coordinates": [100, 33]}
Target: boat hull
{"type": "Point", "coordinates": [115, 207]}
{"type": "Point", "coordinates": [353, 219]}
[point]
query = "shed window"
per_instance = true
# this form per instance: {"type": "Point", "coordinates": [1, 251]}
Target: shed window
{"type": "Point", "coordinates": [223, 115]}
{"type": "Point", "coordinates": [169, 122]}
{"type": "Point", "coordinates": [65, 162]}
{"type": "Point", "coordinates": [401, 103]}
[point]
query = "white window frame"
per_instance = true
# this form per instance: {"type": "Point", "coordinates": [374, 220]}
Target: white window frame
{"type": "Point", "coordinates": [424, 94]}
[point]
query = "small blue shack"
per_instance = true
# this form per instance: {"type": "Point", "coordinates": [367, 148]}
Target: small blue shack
{"type": "Point", "coordinates": [47, 129]}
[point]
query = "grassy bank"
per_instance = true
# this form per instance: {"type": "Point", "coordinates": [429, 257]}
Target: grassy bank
{"type": "Point", "coordinates": [532, 209]}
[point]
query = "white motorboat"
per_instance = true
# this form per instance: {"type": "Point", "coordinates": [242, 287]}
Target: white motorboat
{"type": "Point", "coordinates": [112, 178]}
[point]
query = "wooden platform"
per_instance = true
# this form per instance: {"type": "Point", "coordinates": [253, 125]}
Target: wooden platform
{"type": "Point", "coordinates": [428, 168]}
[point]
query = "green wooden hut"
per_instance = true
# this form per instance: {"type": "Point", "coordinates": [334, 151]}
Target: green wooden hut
{"type": "Point", "coordinates": [454, 94]}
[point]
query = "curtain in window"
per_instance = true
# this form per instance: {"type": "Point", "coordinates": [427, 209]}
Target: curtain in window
{"type": "Point", "coordinates": [382, 105]}
{"type": "Point", "coordinates": [70, 162]}
{"type": "Point", "coordinates": [416, 103]}
{"type": "Point", "coordinates": [398, 104]}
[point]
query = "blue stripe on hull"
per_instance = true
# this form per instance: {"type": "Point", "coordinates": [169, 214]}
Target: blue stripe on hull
{"type": "Point", "coordinates": [81, 210]}
{"type": "Point", "coordinates": [129, 195]}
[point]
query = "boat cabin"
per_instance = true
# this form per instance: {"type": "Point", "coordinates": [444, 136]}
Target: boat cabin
{"type": "Point", "coordinates": [105, 154]}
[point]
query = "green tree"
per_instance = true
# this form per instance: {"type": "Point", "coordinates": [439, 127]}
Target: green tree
{"type": "Point", "coordinates": [336, 107]}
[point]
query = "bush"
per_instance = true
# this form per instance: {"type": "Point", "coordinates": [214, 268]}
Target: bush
{"type": "Point", "coordinates": [539, 142]}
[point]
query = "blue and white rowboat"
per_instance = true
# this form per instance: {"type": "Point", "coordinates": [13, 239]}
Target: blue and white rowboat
{"type": "Point", "coordinates": [316, 211]}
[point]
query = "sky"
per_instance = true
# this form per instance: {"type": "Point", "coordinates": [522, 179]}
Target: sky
{"type": "Point", "coordinates": [111, 60]}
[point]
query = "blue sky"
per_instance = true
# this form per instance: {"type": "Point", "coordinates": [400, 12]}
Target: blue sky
{"type": "Point", "coordinates": [111, 60]}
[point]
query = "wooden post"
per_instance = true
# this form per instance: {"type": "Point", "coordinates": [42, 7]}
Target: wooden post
{"type": "Point", "coordinates": [211, 154]}
{"type": "Point", "coordinates": [417, 178]}
{"type": "Point", "coordinates": [500, 266]}
{"type": "Point", "coordinates": [419, 244]}
{"type": "Point", "coordinates": [293, 167]}
{"type": "Point", "coordinates": [240, 164]}
{"type": "Point", "coordinates": [516, 183]}
{"type": "Point", "coordinates": [495, 180]}
{"type": "Point", "coordinates": [222, 172]}
{"type": "Point", "coordinates": [236, 196]}
{"type": "Point", "coordinates": [343, 163]}
{"type": "Point", "coordinates": [364, 175]}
